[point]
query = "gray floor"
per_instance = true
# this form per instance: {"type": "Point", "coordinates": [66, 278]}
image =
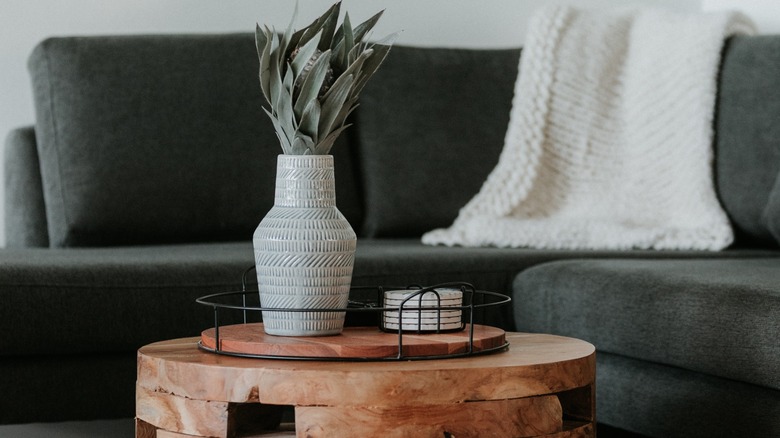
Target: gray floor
{"type": "Point", "coordinates": [123, 428]}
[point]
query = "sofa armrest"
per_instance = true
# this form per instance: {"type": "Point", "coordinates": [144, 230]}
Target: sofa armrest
{"type": "Point", "coordinates": [25, 211]}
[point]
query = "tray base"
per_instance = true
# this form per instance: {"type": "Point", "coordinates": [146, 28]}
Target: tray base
{"type": "Point", "coordinates": [352, 343]}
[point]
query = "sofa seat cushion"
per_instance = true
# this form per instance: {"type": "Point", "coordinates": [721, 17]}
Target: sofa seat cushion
{"type": "Point", "coordinates": [401, 262]}
{"type": "Point", "coordinates": [386, 259]}
{"type": "Point", "coordinates": [716, 316]}
{"type": "Point", "coordinates": [57, 301]}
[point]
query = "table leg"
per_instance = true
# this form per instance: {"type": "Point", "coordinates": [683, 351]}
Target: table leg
{"type": "Point", "coordinates": [158, 412]}
{"type": "Point", "coordinates": [144, 429]}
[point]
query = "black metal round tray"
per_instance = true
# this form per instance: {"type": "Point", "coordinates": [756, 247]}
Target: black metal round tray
{"type": "Point", "coordinates": [365, 309]}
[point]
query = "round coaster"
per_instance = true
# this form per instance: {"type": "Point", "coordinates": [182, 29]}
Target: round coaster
{"type": "Point", "coordinates": [434, 314]}
{"type": "Point", "coordinates": [447, 297]}
{"type": "Point", "coordinates": [425, 328]}
{"type": "Point", "coordinates": [425, 319]}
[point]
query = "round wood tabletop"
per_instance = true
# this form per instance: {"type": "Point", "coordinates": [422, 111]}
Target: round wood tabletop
{"type": "Point", "coordinates": [557, 370]}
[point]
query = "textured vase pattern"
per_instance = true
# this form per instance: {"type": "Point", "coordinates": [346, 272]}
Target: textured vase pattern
{"type": "Point", "coordinates": [304, 250]}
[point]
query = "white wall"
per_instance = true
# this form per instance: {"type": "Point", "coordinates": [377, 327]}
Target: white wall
{"type": "Point", "coordinates": [765, 13]}
{"type": "Point", "coordinates": [463, 23]}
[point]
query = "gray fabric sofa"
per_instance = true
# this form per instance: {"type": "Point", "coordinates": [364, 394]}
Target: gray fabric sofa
{"type": "Point", "coordinates": [151, 162]}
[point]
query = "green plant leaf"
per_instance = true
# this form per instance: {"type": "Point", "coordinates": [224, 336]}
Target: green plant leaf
{"type": "Point", "coordinates": [285, 107]}
{"type": "Point", "coordinates": [329, 27]}
{"type": "Point", "coordinates": [311, 120]}
{"type": "Point", "coordinates": [337, 50]}
{"type": "Point", "coordinates": [260, 40]}
{"type": "Point", "coordinates": [304, 54]}
{"type": "Point", "coordinates": [356, 67]}
{"type": "Point", "coordinates": [378, 55]}
{"type": "Point", "coordinates": [275, 76]}
{"type": "Point", "coordinates": [333, 102]}
{"type": "Point", "coordinates": [303, 145]}
{"type": "Point", "coordinates": [326, 21]}
{"type": "Point", "coordinates": [264, 41]}
{"type": "Point", "coordinates": [349, 41]}
{"type": "Point", "coordinates": [289, 79]}
{"type": "Point", "coordinates": [295, 39]}
{"type": "Point", "coordinates": [338, 37]}
{"type": "Point", "coordinates": [284, 141]}
{"type": "Point", "coordinates": [284, 42]}
{"type": "Point", "coordinates": [346, 109]}
{"type": "Point", "coordinates": [310, 88]}
{"type": "Point", "coordinates": [351, 72]}
{"type": "Point", "coordinates": [260, 44]}
{"type": "Point", "coordinates": [363, 28]}
{"type": "Point", "coordinates": [354, 54]}
{"type": "Point", "coordinates": [323, 148]}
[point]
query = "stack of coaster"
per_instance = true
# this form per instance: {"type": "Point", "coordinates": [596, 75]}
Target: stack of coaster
{"type": "Point", "coordinates": [425, 312]}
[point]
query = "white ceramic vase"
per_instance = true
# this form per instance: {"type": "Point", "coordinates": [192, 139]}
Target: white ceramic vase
{"type": "Point", "coordinates": [304, 250]}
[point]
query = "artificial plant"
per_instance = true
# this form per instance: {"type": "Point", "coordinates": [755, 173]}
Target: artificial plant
{"type": "Point", "coordinates": [311, 78]}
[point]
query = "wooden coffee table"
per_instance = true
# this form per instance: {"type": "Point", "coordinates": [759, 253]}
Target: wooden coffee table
{"type": "Point", "coordinates": [543, 385]}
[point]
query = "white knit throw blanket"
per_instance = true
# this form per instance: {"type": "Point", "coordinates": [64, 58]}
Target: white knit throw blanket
{"type": "Point", "coordinates": [609, 144]}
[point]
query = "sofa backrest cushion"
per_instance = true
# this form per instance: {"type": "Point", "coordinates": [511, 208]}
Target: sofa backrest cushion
{"type": "Point", "coordinates": [156, 139]}
{"type": "Point", "coordinates": [747, 136]}
{"type": "Point", "coordinates": [431, 125]}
